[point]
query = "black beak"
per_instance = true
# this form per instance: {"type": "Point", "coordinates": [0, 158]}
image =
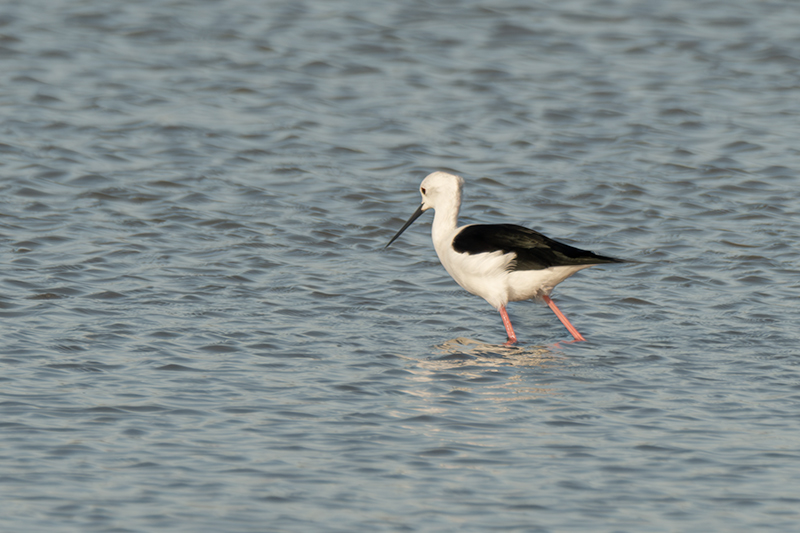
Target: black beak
{"type": "Point", "coordinates": [411, 220]}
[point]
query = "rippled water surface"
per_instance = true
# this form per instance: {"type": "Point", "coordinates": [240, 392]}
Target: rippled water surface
{"type": "Point", "coordinates": [201, 331]}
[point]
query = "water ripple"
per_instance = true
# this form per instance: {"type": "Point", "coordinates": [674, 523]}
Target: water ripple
{"type": "Point", "coordinates": [202, 331]}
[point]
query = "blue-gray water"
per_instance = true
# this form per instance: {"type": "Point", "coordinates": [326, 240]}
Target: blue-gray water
{"type": "Point", "coordinates": [201, 332]}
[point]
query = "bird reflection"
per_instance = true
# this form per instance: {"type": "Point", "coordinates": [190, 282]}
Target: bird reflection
{"type": "Point", "coordinates": [463, 351]}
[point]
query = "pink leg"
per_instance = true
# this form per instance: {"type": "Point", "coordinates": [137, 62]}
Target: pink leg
{"type": "Point", "coordinates": [563, 319]}
{"type": "Point", "coordinates": [507, 323]}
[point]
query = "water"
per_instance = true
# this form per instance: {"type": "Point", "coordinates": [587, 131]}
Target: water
{"type": "Point", "coordinates": [201, 331]}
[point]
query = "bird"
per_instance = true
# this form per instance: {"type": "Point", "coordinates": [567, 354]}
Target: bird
{"type": "Point", "coordinates": [501, 263]}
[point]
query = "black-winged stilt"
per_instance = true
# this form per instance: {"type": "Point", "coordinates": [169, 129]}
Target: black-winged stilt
{"type": "Point", "coordinates": [501, 263]}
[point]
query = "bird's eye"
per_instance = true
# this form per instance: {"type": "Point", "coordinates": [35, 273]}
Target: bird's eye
{"type": "Point", "coordinates": [422, 190]}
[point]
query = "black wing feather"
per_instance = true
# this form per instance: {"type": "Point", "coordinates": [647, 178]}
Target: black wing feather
{"type": "Point", "coordinates": [533, 250]}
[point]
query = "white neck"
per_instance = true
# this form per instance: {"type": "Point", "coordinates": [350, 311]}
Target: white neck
{"type": "Point", "coordinates": [445, 219]}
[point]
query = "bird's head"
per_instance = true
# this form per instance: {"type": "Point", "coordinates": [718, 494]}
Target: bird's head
{"type": "Point", "coordinates": [440, 187]}
{"type": "Point", "coordinates": [437, 187]}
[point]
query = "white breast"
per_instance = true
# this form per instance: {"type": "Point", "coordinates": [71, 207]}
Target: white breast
{"type": "Point", "coordinates": [486, 275]}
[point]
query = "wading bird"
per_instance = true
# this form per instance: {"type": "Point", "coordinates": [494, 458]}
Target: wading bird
{"type": "Point", "coordinates": [501, 263]}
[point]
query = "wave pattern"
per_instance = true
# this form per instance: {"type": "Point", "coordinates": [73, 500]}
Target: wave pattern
{"type": "Point", "coordinates": [201, 331]}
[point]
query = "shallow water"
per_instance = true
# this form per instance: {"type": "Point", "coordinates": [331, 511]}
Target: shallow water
{"type": "Point", "coordinates": [201, 331]}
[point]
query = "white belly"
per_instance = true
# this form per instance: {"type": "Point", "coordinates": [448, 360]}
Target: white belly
{"type": "Point", "coordinates": [486, 275]}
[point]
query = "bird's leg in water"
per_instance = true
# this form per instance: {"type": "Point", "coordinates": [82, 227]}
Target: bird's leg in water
{"type": "Point", "coordinates": [563, 319]}
{"type": "Point", "coordinates": [507, 323]}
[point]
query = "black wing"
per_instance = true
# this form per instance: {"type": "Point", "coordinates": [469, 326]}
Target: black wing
{"type": "Point", "coordinates": [534, 251]}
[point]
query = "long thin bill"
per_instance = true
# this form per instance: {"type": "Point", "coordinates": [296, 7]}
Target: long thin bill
{"type": "Point", "coordinates": [411, 220]}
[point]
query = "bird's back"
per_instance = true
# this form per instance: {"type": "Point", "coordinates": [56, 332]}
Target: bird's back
{"type": "Point", "coordinates": [533, 250]}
